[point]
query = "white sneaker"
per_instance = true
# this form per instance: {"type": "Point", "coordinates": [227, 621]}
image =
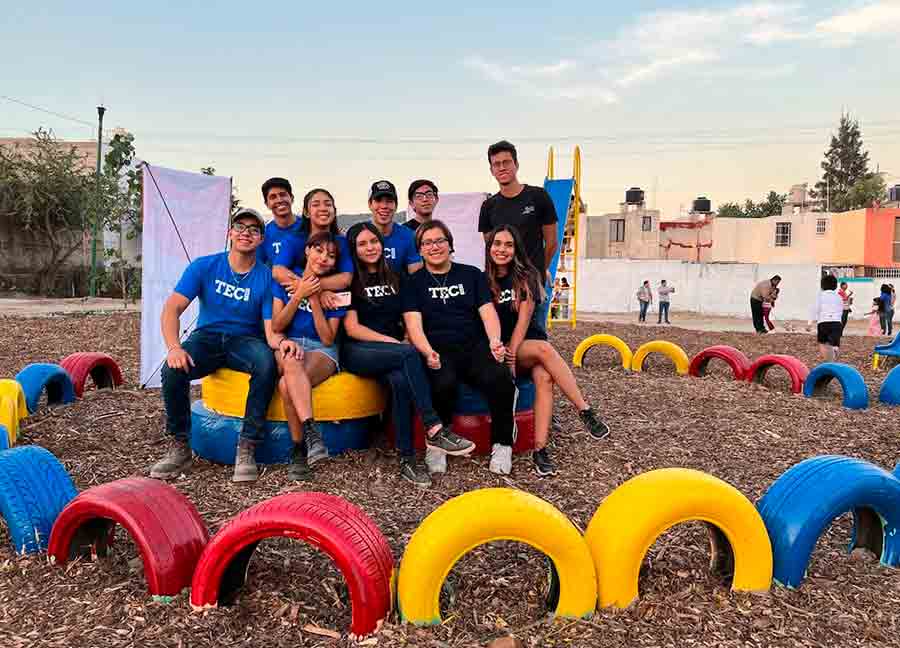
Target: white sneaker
{"type": "Point", "coordinates": [501, 459]}
{"type": "Point", "coordinates": [435, 460]}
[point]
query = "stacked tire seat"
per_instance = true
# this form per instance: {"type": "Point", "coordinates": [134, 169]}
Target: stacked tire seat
{"type": "Point", "coordinates": [343, 405]}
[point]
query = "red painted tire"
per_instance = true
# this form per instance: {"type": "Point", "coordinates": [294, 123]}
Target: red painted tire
{"type": "Point", "coordinates": [477, 428]}
{"type": "Point", "coordinates": [738, 362]}
{"type": "Point", "coordinates": [102, 369]}
{"type": "Point", "coordinates": [327, 522]}
{"type": "Point", "coordinates": [164, 525]}
{"type": "Point", "coordinates": [796, 369]}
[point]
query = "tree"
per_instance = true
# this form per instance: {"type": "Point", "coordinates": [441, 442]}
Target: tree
{"type": "Point", "coordinates": [771, 206]}
{"type": "Point", "coordinates": [866, 191]}
{"type": "Point", "coordinates": [235, 201]}
{"type": "Point", "coordinates": [46, 189]}
{"type": "Point", "coordinates": [845, 164]}
{"type": "Point", "coordinates": [730, 210]}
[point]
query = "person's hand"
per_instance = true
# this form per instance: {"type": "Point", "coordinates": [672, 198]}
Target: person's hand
{"type": "Point", "coordinates": [328, 299]}
{"type": "Point", "coordinates": [498, 350]}
{"type": "Point", "coordinates": [433, 360]}
{"type": "Point", "coordinates": [178, 358]}
{"type": "Point", "coordinates": [306, 286]}
{"type": "Point", "coordinates": [290, 349]}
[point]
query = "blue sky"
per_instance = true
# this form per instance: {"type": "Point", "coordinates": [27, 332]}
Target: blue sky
{"type": "Point", "coordinates": [718, 98]}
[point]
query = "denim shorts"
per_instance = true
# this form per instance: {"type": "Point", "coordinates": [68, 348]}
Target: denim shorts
{"type": "Point", "coordinates": [309, 345]}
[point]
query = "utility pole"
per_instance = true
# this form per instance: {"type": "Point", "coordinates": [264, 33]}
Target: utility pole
{"type": "Point", "coordinates": [93, 290]}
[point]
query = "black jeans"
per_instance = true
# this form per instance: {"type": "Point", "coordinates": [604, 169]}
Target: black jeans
{"type": "Point", "coordinates": [474, 365]}
{"type": "Point", "coordinates": [757, 312]}
{"type": "Point", "coordinates": [211, 351]}
{"type": "Point", "coordinates": [400, 366]}
{"type": "Point", "coordinates": [844, 315]}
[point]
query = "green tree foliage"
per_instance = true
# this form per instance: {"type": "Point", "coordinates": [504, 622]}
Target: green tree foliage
{"type": "Point", "coordinates": [845, 164]}
{"type": "Point", "coordinates": [867, 191]}
{"type": "Point", "coordinates": [771, 206]}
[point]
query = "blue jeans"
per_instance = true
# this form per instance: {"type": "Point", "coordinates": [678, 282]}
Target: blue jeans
{"type": "Point", "coordinates": [539, 317]}
{"type": "Point", "coordinates": [643, 315]}
{"type": "Point", "coordinates": [212, 351]}
{"type": "Point", "coordinates": [400, 366]}
{"type": "Point", "coordinates": [663, 312]}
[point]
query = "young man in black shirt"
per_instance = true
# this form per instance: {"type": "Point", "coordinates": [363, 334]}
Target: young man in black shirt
{"type": "Point", "coordinates": [423, 198]}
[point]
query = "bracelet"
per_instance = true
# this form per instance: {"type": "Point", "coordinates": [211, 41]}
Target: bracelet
{"type": "Point", "coordinates": [281, 341]}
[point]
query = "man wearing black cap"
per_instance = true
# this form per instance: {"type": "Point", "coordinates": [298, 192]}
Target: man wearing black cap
{"type": "Point", "coordinates": [423, 198]}
{"type": "Point", "coordinates": [279, 198]}
{"type": "Point", "coordinates": [399, 242]}
{"type": "Point", "coordinates": [234, 330]}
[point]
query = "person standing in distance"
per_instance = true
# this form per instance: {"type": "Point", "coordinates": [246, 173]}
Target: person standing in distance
{"type": "Point", "coordinates": [279, 198]}
{"type": "Point", "coordinates": [423, 198]}
{"type": "Point", "coordinates": [399, 242]}
{"type": "Point", "coordinates": [762, 292]}
{"type": "Point", "coordinates": [530, 210]}
{"type": "Point", "coordinates": [664, 291]}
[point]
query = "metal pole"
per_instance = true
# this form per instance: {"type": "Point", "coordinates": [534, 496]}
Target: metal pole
{"type": "Point", "coordinates": [93, 290]}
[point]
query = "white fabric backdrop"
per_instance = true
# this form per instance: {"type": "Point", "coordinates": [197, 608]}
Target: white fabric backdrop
{"type": "Point", "coordinates": [200, 206]}
{"type": "Point", "coordinates": [460, 212]}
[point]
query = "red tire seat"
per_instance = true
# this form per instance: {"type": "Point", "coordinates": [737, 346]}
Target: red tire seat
{"type": "Point", "coordinates": [477, 428]}
{"type": "Point", "coordinates": [738, 362]}
{"type": "Point", "coordinates": [102, 369]}
{"type": "Point", "coordinates": [795, 368]}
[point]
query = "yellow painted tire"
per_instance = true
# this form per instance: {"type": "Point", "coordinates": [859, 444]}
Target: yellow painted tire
{"type": "Point", "coordinates": [342, 397]}
{"type": "Point", "coordinates": [9, 420]}
{"type": "Point", "coordinates": [633, 516]}
{"type": "Point", "coordinates": [474, 518]}
{"type": "Point", "coordinates": [603, 339]}
{"type": "Point", "coordinates": [672, 351]}
{"type": "Point", "coordinates": [17, 409]}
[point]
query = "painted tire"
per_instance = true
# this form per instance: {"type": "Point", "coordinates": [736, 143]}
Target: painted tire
{"type": "Point", "coordinates": [672, 351]}
{"type": "Point", "coordinates": [485, 515]}
{"type": "Point", "coordinates": [4, 433]}
{"type": "Point", "coordinates": [738, 362]}
{"type": "Point", "coordinates": [9, 420]}
{"type": "Point", "coordinates": [13, 413]}
{"type": "Point", "coordinates": [470, 401]}
{"type": "Point", "coordinates": [630, 519]}
{"type": "Point", "coordinates": [890, 388]}
{"type": "Point", "coordinates": [342, 397]}
{"type": "Point", "coordinates": [101, 368]}
{"type": "Point", "coordinates": [327, 522]}
{"type": "Point", "coordinates": [37, 378]}
{"type": "Point", "coordinates": [164, 525]}
{"type": "Point", "coordinates": [603, 340]}
{"type": "Point", "coordinates": [214, 437]}
{"type": "Point", "coordinates": [477, 429]}
{"type": "Point", "coordinates": [803, 502]}
{"type": "Point", "coordinates": [34, 488]}
{"type": "Point", "coordinates": [795, 368]}
{"type": "Point", "coordinates": [856, 393]}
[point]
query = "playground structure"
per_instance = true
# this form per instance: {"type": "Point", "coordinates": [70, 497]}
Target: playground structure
{"type": "Point", "coordinates": [566, 196]}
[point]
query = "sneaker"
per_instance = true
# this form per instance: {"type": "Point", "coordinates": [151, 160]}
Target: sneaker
{"type": "Point", "coordinates": [316, 450]}
{"type": "Point", "coordinates": [452, 444]}
{"type": "Point", "coordinates": [556, 422]}
{"type": "Point", "coordinates": [299, 469]}
{"type": "Point", "coordinates": [501, 459]}
{"type": "Point", "coordinates": [177, 460]}
{"type": "Point", "coordinates": [597, 428]}
{"type": "Point", "coordinates": [435, 460]}
{"type": "Point", "coordinates": [412, 472]}
{"type": "Point", "coordinates": [245, 463]}
{"type": "Point", "coordinates": [542, 464]}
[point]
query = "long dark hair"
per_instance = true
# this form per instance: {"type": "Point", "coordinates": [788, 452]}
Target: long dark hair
{"type": "Point", "coordinates": [323, 239]}
{"type": "Point", "coordinates": [362, 278]}
{"type": "Point", "coordinates": [305, 223]}
{"type": "Point", "coordinates": [524, 275]}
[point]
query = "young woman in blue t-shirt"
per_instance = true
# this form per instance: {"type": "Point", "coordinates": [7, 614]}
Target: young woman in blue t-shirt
{"type": "Point", "coordinates": [515, 288]}
{"type": "Point", "coordinates": [303, 318]}
{"type": "Point", "coordinates": [376, 347]}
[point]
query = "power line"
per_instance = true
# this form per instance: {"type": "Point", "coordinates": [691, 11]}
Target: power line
{"type": "Point", "coordinates": [49, 112]}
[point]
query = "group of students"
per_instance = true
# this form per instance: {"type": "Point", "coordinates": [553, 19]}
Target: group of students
{"type": "Point", "coordinates": [294, 301]}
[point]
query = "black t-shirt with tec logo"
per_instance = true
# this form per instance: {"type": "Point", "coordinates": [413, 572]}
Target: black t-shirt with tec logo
{"type": "Point", "coordinates": [449, 303]}
{"type": "Point", "coordinates": [529, 212]}
{"type": "Point", "coordinates": [382, 309]}
{"type": "Point", "coordinates": [508, 316]}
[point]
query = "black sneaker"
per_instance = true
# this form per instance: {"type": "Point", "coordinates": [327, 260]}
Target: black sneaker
{"type": "Point", "coordinates": [411, 471]}
{"type": "Point", "coordinates": [316, 450]}
{"type": "Point", "coordinates": [542, 464]}
{"type": "Point", "coordinates": [449, 443]}
{"type": "Point", "coordinates": [597, 428]}
{"type": "Point", "coordinates": [299, 469]}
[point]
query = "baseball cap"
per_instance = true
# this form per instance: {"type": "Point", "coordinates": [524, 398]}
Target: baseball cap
{"type": "Point", "coordinates": [246, 212]}
{"type": "Point", "coordinates": [383, 188]}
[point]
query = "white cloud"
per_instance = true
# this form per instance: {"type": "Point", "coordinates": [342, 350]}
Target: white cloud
{"type": "Point", "coordinates": [544, 81]}
{"type": "Point", "coordinates": [654, 69]}
{"type": "Point", "coordinates": [875, 18]}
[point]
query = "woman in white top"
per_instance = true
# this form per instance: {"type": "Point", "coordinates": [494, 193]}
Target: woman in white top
{"type": "Point", "coordinates": [827, 311]}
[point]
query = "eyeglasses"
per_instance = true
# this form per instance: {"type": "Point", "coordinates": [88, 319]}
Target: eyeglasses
{"type": "Point", "coordinates": [252, 230]}
{"type": "Point", "coordinates": [430, 243]}
{"type": "Point", "coordinates": [423, 195]}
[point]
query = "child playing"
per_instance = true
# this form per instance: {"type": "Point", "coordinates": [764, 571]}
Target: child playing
{"type": "Point", "coordinates": [875, 317]}
{"type": "Point", "coordinates": [767, 309]}
{"type": "Point", "coordinates": [827, 312]}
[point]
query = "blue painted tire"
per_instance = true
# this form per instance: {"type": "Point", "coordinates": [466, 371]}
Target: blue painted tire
{"type": "Point", "coordinates": [856, 393]}
{"type": "Point", "coordinates": [34, 489]}
{"type": "Point", "coordinates": [214, 437]}
{"type": "Point", "coordinates": [4, 438]}
{"type": "Point", "coordinates": [890, 388]}
{"type": "Point", "coordinates": [470, 402]}
{"type": "Point", "coordinates": [40, 376]}
{"type": "Point", "coordinates": [803, 502]}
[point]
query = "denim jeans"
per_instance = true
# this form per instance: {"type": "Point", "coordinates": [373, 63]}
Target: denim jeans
{"type": "Point", "coordinates": [663, 312]}
{"type": "Point", "coordinates": [539, 317]}
{"type": "Point", "coordinates": [400, 366]}
{"type": "Point", "coordinates": [642, 317]}
{"type": "Point", "coordinates": [212, 351]}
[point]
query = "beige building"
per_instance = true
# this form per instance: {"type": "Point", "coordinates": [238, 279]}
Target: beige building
{"type": "Point", "coordinates": [632, 232]}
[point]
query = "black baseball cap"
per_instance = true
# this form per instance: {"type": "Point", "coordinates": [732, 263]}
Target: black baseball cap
{"type": "Point", "coordinates": [246, 212]}
{"type": "Point", "coordinates": [382, 188]}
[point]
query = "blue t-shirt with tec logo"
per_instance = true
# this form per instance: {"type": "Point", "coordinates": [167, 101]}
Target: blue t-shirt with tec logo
{"type": "Point", "coordinates": [294, 248]}
{"type": "Point", "coordinates": [230, 302]}
{"type": "Point", "coordinates": [400, 249]}
{"type": "Point", "coordinates": [303, 325]}
{"type": "Point", "coordinates": [274, 240]}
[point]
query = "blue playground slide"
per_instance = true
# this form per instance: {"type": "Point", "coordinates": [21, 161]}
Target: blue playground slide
{"type": "Point", "coordinates": [560, 193]}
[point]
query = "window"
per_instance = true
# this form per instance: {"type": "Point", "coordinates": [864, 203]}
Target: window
{"type": "Point", "coordinates": [616, 230]}
{"type": "Point", "coordinates": [782, 234]}
{"type": "Point", "coordinates": [646, 223]}
{"type": "Point", "coordinates": [897, 240]}
{"type": "Point", "coordinates": [822, 226]}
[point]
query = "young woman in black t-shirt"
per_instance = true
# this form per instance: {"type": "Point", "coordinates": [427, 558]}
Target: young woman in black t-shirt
{"type": "Point", "coordinates": [376, 348]}
{"type": "Point", "coordinates": [514, 285]}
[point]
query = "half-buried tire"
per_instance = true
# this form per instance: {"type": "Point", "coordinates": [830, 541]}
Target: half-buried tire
{"type": "Point", "coordinates": [101, 368]}
{"type": "Point", "coordinates": [39, 377]}
{"type": "Point", "coordinates": [326, 522]}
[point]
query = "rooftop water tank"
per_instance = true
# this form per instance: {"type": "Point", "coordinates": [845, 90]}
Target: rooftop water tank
{"type": "Point", "coordinates": [634, 196]}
